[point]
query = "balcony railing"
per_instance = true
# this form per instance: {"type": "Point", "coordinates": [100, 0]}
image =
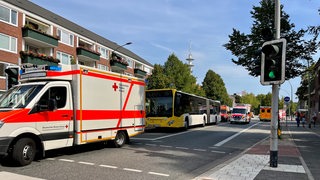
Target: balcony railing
{"type": "Point", "coordinates": [88, 54]}
{"type": "Point", "coordinates": [39, 38]}
{"type": "Point", "coordinates": [139, 73]}
{"type": "Point", "coordinates": [38, 59]}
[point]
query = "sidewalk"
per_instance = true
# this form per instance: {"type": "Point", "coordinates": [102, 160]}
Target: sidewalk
{"type": "Point", "coordinates": [254, 163]}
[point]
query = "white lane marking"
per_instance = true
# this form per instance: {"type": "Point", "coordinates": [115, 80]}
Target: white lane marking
{"type": "Point", "coordinates": [86, 163]}
{"type": "Point", "coordinates": [172, 135]}
{"type": "Point", "coordinates": [50, 159]}
{"type": "Point", "coordinates": [202, 150]}
{"type": "Point", "coordinates": [66, 160]}
{"type": "Point", "coordinates": [108, 166]}
{"type": "Point", "coordinates": [182, 148]}
{"type": "Point", "coordinates": [222, 152]}
{"type": "Point", "coordinates": [165, 146]}
{"type": "Point", "coordinates": [151, 144]}
{"type": "Point", "coordinates": [13, 176]}
{"type": "Point", "coordinates": [132, 170]}
{"type": "Point", "coordinates": [159, 174]}
{"type": "Point", "coordinates": [235, 135]}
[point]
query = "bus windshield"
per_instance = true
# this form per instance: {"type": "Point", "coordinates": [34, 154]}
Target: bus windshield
{"type": "Point", "coordinates": [159, 103]}
{"type": "Point", "coordinates": [19, 96]}
{"type": "Point", "coordinates": [239, 111]}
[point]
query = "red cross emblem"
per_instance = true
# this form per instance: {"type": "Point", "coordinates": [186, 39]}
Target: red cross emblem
{"type": "Point", "coordinates": [115, 87]}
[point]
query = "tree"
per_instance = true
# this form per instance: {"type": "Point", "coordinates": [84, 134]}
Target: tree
{"type": "Point", "coordinates": [158, 79]}
{"type": "Point", "coordinates": [302, 91]}
{"type": "Point", "coordinates": [251, 99]}
{"type": "Point", "coordinates": [315, 30]}
{"type": "Point", "coordinates": [246, 46]}
{"type": "Point", "coordinates": [214, 88]}
{"type": "Point", "coordinates": [174, 74]}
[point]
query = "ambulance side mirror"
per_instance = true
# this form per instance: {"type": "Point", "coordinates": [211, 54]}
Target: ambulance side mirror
{"type": "Point", "coordinates": [52, 105]}
{"type": "Point", "coordinates": [41, 106]}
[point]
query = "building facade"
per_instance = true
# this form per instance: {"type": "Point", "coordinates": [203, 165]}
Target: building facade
{"type": "Point", "coordinates": [32, 34]}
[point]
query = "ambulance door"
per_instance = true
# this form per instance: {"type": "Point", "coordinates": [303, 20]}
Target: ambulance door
{"type": "Point", "coordinates": [54, 115]}
{"type": "Point", "coordinates": [139, 121]}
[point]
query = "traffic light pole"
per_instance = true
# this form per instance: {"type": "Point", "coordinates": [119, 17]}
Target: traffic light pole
{"type": "Point", "coordinates": [275, 99]}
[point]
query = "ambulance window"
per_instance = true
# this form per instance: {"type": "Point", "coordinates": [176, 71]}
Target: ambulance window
{"type": "Point", "coordinates": [59, 94]}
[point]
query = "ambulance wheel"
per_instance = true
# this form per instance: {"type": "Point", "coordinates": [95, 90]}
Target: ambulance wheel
{"type": "Point", "coordinates": [120, 139]}
{"type": "Point", "coordinates": [24, 151]}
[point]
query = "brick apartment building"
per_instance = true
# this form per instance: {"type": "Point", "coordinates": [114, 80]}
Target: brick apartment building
{"type": "Point", "coordinates": [28, 31]}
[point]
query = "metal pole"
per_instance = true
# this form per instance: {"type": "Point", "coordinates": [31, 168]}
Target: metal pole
{"type": "Point", "coordinates": [275, 99]}
{"type": "Point", "coordinates": [309, 99]}
{"type": "Point", "coordinates": [290, 101]}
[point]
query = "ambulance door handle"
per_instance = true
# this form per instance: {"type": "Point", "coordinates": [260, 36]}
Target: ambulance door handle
{"type": "Point", "coordinates": [65, 115]}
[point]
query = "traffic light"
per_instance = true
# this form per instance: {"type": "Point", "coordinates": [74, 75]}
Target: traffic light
{"type": "Point", "coordinates": [12, 76]}
{"type": "Point", "coordinates": [273, 55]}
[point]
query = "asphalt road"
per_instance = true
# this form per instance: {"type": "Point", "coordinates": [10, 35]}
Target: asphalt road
{"type": "Point", "coordinates": [156, 154]}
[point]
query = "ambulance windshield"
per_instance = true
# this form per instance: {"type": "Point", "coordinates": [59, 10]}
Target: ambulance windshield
{"type": "Point", "coordinates": [19, 96]}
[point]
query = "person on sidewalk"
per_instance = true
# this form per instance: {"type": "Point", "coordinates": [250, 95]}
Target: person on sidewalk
{"type": "Point", "coordinates": [314, 119]}
{"type": "Point", "coordinates": [303, 120]}
{"type": "Point", "coordinates": [298, 121]}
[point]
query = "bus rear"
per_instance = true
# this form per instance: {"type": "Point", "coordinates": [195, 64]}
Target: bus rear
{"type": "Point", "coordinates": [265, 113]}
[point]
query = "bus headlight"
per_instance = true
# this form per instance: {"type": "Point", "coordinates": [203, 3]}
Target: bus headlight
{"type": "Point", "coordinates": [170, 122]}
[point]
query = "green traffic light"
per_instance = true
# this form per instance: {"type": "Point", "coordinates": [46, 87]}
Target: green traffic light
{"type": "Point", "coordinates": [272, 75]}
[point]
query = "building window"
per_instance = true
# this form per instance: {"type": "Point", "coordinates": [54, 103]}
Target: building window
{"type": "Point", "coordinates": [64, 58]}
{"type": "Point", "coordinates": [2, 68]}
{"type": "Point", "coordinates": [148, 70]}
{"type": "Point", "coordinates": [8, 15]}
{"type": "Point", "coordinates": [65, 37]}
{"type": "Point", "coordinates": [8, 43]}
{"type": "Point", "coordinates": [103, 67]}
{"type": "Point", "coordinates": [104, 52]}
{"type": "Point", "coordinates": [130, 62]}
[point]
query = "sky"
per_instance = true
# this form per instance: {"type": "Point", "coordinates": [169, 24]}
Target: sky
{"type": "Point", "coordinates": [158, 28]}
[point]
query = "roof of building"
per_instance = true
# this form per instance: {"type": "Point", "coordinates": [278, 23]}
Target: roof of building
{"type": "Point", "coordinates": [46, 14]}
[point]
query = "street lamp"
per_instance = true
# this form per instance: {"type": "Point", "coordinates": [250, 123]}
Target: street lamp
{"type": "Point", "coordinates": [128, 43]}
{"type": "Point", "coordinates": [114, 54]}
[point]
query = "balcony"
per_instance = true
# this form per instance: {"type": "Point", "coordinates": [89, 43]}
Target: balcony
{"type": "Point", "coordinates": [87, 55]}
{"type": "Point", "coordinates": [37, 59]}
{"type": "Point", "coordinates": [38, 38]}
{"type": "Point", "coordinates": [139, 73]}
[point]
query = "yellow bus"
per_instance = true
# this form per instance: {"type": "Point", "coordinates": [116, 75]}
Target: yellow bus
{"type": "Point", "coordinates": [265, 113]}
{"type": "Point", "coordinates": [175, 109]}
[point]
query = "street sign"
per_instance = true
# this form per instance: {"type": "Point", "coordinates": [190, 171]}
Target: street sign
{"type": "Point", "coordinates": [286, 99]}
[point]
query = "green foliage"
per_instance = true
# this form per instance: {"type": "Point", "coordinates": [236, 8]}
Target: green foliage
{"type": "Point", "coordinates": [158, 80]}
{"type": "Point", "coordinates": [179, 75]}
{"type": "Point", "coordinates": [214, 88]}
{"type": "Point", "coordinates": [246, 46]}
{"type": "Point", "coordinates": [174, 74]}
{"type": "Point", "coordinates": [302, 91]}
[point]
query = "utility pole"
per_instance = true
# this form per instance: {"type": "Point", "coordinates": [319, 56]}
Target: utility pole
{"type": "Point", "coordinates": [275, 99]}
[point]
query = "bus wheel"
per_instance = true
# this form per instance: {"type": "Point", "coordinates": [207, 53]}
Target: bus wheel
{"type": "Point", "coordinates": [120, 139]}
{"type": "Point", "coordinates": [204, 122]}
{"type": "Point", "coordinates": [24, 151]}
{"type": "Point", "coordinates": [186, 123]}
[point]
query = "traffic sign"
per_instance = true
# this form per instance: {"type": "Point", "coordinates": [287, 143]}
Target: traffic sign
{"type": "Point", "coordinates": [286, 99]}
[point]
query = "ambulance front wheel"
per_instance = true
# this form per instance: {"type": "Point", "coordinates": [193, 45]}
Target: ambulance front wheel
{"type": "Point", "coordinates": [24, 151]}
{"type": "Point", "coordinates": [120, 139]}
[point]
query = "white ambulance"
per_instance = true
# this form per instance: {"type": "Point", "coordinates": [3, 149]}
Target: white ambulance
{"type": "Point", "coordinates": [61, 106]}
